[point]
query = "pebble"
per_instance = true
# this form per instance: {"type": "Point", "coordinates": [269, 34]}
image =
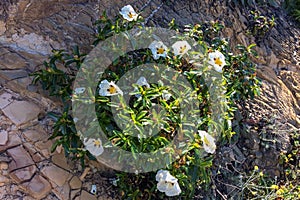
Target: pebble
{"type": "Point", "coordinates": [3, 166]}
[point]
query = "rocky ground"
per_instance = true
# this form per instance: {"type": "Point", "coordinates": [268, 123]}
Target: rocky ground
{"type": "Point", "coordinates": [28, 169]}
{"type": "Point", "coordinates": [29, 29]}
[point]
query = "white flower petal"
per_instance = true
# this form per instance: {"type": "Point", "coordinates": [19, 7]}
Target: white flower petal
{"type": "Point", "coordinates": [79, 90]}
{"type": "Point", "coordinates": [128, 13]}
{"type": "Point", "coordinates": [181, 47]}
{"type": "Point", "coordinates": [104, 83]}
{"type": "Point", "coordinates": [170, 178]}
{"type": "Point", "coordinates": [218, 68]}
{"type": "Point", "coordinates": [166, 95]}
{"type": "Point", "coordinates": [229, 123]}
{"type": "Point", "coordinates": [162, 186]}
{"type": "Point", "coordinates": [161, 175]}
{"type": "Point", "coordinates": [208, 142]}
{"type": "Point", "coordinates": [143, 82]}
{"type": "Point", "coordinates": [158, 49]}
{"type": "Point", "coordinates": [173, 190]}
{"type": "Point", "coordinates": [156, 56]}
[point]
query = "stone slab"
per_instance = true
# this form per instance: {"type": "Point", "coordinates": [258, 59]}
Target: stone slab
{"type": "Point", "coordinates": [14, 74]}
{"type": "Point", "coordinates": [75, 183]}
{"type": "Point", "coordinates": [13, 140]}
{"type": "Point", "coordinates": [85, 195]}
{"type": "Point", "coordinates": [38, 187]}
{"type": "Point", "coordinates": [5, 99]}
{"type": "Point", "coordinates": [56, 175]}
{"type": "Point", "coordinates": [3, 137]}
{"type": "Point", "coordinates": [12, 61]}
{"type": "Point", "coordinates": [60, 160]}
{"type": "Point", "coordinates": [44, 147]}
{"type": "Point", "coordinates": [63, 192]}
{"type": "Point", "coordinates": [20, 112]}
{"type": "Point", "coordinates": [21, 158]}
{"type": "Point", "coordinates": [35, 135]}
{"type": "Point", "coordinates": [24, 174]}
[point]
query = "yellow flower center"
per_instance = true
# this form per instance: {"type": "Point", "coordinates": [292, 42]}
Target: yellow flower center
{"type": "Point", "coordinates": [206, 141]}
{"type": "Point", "coordinates": [112, 89]}
{"type": "Point", "coordinates": [160, 50]}
{"type": "Point", "coordinates": [218, 61]}
{"type": "Point", "coordinates": [97, 143]}
{"type": "Point", "coordinates": [182, 49]}
{"type": "Point", "coordinates": [169, 184]}
{"type": "Point", "coordinates": [130, 15]}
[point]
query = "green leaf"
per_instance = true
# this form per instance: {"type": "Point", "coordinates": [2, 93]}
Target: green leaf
{"type": "Point", "coordinates": [55, 144]}
{"type": "Point", "coordinates": [250, 47]}
{"type": "Point", "coordinates": [141, 115]}
{"type": "Point", "coordinates": [54, 116]}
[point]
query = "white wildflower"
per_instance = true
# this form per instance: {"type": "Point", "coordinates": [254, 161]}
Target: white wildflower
{"type": "Point", "coordinates": [158, 49]}
{"type": "Point", "coordinates": [167, 183]}
{"type": "Point", "coordinates": [94, 146]}
{"type": "Point", "coordinates": [208, 142]}
{"type": "Point", "coordinates": [109, 89]}
{"type": "Point", "coordinates": [181, 47]}
{"type": "Point", "coordinates": [129, 13]}
{"type": "Point", "coordinates": [217, 60]}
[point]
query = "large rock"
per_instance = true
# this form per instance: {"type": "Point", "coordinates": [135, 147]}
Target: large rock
{"type": "Point", "coordinates": [65, 23]}
{"type": "Point", "coordinates": [11, 60]}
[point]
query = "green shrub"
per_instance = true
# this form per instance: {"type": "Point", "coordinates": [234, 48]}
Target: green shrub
{"type": "Point", "coordinates": [293, 7]}
{"type": "Point", "coordinates": [192, 169]}
{"type": "Point", "coordinates": [260, 25]}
